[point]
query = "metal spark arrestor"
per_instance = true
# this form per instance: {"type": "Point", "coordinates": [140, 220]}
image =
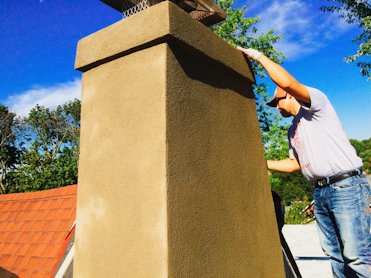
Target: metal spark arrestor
{"type": "Point", "coordinates": [205, 11]}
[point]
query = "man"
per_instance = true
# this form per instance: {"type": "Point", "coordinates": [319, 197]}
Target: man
{"type": "Point", "coordinates": [319, 148]}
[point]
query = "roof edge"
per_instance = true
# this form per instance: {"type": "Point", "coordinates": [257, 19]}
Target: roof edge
{"type": "Point", "coordinates": [50, 193]}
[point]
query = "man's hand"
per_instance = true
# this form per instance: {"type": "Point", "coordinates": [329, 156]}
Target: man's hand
{"type": "Point", "coordinates": [251, 53]}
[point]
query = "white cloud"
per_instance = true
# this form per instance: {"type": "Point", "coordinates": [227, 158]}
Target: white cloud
{"type": "Point", "coordinates": [305, 27]}
{"type": "Point", "coordinates": [49, 97]}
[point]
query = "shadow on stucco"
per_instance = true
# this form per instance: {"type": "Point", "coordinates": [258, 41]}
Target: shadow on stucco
{"type": "Point", "coordinates": [193, 66]}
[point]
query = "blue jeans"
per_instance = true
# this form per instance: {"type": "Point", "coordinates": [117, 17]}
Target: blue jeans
{"type": "Point", "coordinates": [344, 225]}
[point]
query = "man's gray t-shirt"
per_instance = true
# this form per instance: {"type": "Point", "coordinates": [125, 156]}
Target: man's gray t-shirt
{"type": "Point", "coordinates": [317, 140]}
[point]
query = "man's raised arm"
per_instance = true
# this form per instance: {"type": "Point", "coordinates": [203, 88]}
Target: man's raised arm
{"type": "Point", "coordinates": [279, 75]}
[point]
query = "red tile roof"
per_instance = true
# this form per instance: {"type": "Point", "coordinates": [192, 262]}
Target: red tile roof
{"type": "Point", "coordinates": [33, 229]}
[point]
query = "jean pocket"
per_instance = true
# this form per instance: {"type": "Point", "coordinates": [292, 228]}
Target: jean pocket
{"type": "Point", "coordinates": [345, 184]}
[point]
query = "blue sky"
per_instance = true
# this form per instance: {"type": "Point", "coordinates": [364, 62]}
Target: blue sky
{"type": "Point", "coordinates": [38, 41]}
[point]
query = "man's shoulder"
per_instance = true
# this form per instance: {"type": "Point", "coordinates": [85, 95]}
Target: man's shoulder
{"type": "Point", "coordinates": [318, 99]}
{"type": "Point", "coordinates": [313, 90]}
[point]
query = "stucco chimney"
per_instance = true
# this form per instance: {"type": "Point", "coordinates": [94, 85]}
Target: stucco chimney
{"type": "Point", "coordinates": [172, 177]}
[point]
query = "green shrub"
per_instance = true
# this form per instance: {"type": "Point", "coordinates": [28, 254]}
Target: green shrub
{"type": "Point", "coordinates": [294, 215]}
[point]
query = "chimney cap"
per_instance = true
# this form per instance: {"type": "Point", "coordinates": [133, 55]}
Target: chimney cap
{"type": "Point", "coordinates": [205, 11]}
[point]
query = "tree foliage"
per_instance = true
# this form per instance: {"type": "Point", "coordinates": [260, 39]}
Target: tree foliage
{"type": "Point", "coordinates": [49, 145]}
{"type": "Point", "coordinates": [363, 149]}
{"type": "Point", "coordinates": [358, 12]}
{"type": "Point", "coordinates": [8, 151]}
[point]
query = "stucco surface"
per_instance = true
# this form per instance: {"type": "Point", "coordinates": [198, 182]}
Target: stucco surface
{"type": "Point", "coordinates": [172, 178]}
{"type": "Point", "coordinates": [121, 208]}
{"type": "Point", "coordinates": [220, 213]}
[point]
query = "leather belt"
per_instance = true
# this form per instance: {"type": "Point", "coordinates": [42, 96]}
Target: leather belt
{"type": "Point", "coordinates": [337, 177]}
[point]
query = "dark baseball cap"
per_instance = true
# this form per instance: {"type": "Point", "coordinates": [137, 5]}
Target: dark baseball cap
{"type": "Point", "coordinates": [273, 101]}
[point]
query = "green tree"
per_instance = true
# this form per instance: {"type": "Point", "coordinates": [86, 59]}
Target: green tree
{"type": "Point", "coordinates": [8, 150]}
{"type": "Point", "coordinates": [356, 12]}
{"type": "Point", "coordinates": [49, 143]}
{"type": "Point", "coordinates": [240, 30]}
{"type": "Point", "coordinates": [363, 149]}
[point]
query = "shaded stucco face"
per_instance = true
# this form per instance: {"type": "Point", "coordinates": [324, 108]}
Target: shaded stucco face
{"type": "Point", "coordinates": [220, 216]}
{"type": "Point", "coordinates": [172, 178]}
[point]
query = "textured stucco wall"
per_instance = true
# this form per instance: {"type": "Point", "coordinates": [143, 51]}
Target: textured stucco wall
{"type": "Point", "coordinates": [172, 178]}
{"type": "Point", "coordinates": [220, 214]}
{"type": "Point", "coordinates": [121, 209]}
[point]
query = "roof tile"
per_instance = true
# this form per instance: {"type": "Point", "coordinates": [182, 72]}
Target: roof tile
{"type": "Point", "coordinates": [67, 203]}
{"type": "Point", "coordinates": [41, 215]}
{"type": "Point", "coordinates": [51, 250]}
{"type": "Point", "coordinates": [33, 228]}
{"type": "Point", "coordinates": [47, 237]}
{"type": "Point", "coordinates": [49, 262]}
{"type": "Point", "coordinates": [25, 237]}
{"type": "Point", "coordinates": [3, 226]}
{"type": "Point", "coordinates": [19, 217]}
{"type": "Point", "coordinates": [4, 213]}
{"type": "Point", "coordinates": [18, 262]}
{"type": "Point", "coordinates": [52, 214]}
{"type": "Point", "coordinates": [23, 250]}
{"type": "Point", "coordinates": [31, 251]}
{"type": "Point", "coordinates": [17, 226]}
{"type": "Point", "coordinates": [4, 236]}
{"type": "Point", "coordinates": [24, 262]}
{"type": "Point", "coordinates": [11, 261]}
{"type": "Point", "coordinates": [32, 214]}
{"type": "Point", "coordinates": [13, 236]}
{"type": "Point", "coordinates": [33, 263]}
{"type": "Point", "coordinates": [14, 206]}
{"type": "Point", "coordinates": [37, 236]}
{"type": "Point", "coordinates": [9, 226]}
{"type": "Point", "coordinates": [36, 274]}
{"type": "Point", "coordinates": [13, 248]}
{"type": "Point", "coordinates": [17, 235]}
{"type": "Point", "coordinates": [47, 204]}
{"type": "Point", "coordinates": [6, 249]}
{"type": "Point", "coordinates": [24, 273]}
{"type": "Point", "coordinates": [29, 206]}
{"type": "Point", "coordinates": [22, 206]}
{"type": "Point", "coordinates": [39, 249]}
{"type": "Point", "coordinates": [5, 206]}
{"type": "Point", "coordinates": [55, 224]}
{"type": "Point", "coordinates": [38, 226]}
{"type": "Point", "coordinates": [60, 236]}
{"type": "Point", "coordinates": [4, 259]}
{"type": "Point", "coordinates": [11, 216]}
{"type": "Point", "coordinates": [9, 237]}
{"type": "Point", "coordinates": [63, 224]}
{"type": "Point", "coordinates": [56, 203]}
{"type": "Point", "coordinates": [66, 214]}
{"type": "Point", "coordinates": [27, 225]}
{"type": "Point", "coordinates": [37, 205]}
